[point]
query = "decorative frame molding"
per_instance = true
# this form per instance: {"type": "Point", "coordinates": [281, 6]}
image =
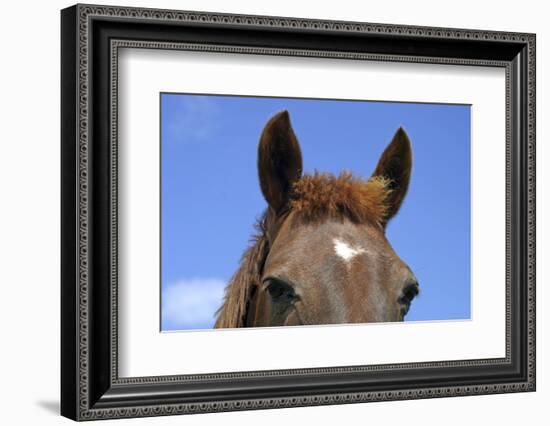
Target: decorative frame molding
{"type": "Point", "coordinates": [91, 388]}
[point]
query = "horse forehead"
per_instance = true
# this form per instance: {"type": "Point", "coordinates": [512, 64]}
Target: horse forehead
{"type": "Point", "coordinates": [315, 241]}
{"type": "Point", "coordinates": [347, 250]}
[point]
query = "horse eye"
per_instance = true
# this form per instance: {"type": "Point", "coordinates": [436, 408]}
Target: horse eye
{"type": "Point", "coordinates": [280, 291]}
{"type": "Point", "coordinates": [409, 293]}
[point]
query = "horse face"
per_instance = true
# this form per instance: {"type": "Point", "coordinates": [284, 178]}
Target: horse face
{"type": "Point", "coordinates": [330, 273]}
{"type": "Point", "coordinates": [332, 270]}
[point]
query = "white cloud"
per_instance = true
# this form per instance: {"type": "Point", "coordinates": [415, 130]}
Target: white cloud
{"type": "Point", "coordinates": [195, 117]}
{"type": "Point", "coordinates": [191, 303]}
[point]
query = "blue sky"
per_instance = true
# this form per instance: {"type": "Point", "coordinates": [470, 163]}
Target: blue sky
{"type": "Point", "coordinates": [211, 196]}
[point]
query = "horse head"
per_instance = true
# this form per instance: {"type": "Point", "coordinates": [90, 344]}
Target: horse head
{"type": "Point", "coordinates": [322, 256]}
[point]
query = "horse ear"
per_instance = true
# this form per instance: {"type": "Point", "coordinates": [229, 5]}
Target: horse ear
{"type": "Point", "coordinates": [395, 164]}
{"type": "Point", "coordinates": [279, 160]}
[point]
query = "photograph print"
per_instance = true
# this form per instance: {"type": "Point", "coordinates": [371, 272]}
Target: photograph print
{"type": "Point", "coordinates": [307, 212]}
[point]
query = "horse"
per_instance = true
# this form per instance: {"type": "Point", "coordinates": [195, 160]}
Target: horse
{"type": "Point", "coordinates": [320, 255]}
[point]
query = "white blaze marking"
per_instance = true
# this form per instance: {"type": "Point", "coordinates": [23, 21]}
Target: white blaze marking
{"type": "Point", "coordinates": [345, 251]}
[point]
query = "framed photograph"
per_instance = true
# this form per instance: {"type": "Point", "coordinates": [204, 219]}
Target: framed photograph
{"type": "Point", "coordinates": [263, 212]}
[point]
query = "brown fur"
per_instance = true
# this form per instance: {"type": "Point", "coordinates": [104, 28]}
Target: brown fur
{"type": "Point", "coordinates": [314, 197]}
{"type": "Point", "coordinates": [279, 160]}
{"type": "Point", "coordinates": [233, 311]}
{"type": "Point", "coordinates": [396, 165]}
{"type": "Point", "coordinates": [322, 195]}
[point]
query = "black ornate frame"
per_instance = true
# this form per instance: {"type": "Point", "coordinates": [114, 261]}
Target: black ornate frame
{"type": "Point", "coordinates": [91, 37]}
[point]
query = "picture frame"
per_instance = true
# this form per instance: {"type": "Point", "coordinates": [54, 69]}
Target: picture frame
{"type": "Point", "coordinates": [91, 387]}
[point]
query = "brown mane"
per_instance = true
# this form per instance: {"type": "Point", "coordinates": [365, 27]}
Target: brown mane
{"type": "Point", "coordinates": [314, 197]}
{"type": "Point", "coordinates": [323, 195]}
{"type": "Point", "coordinates": [232, 313]}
